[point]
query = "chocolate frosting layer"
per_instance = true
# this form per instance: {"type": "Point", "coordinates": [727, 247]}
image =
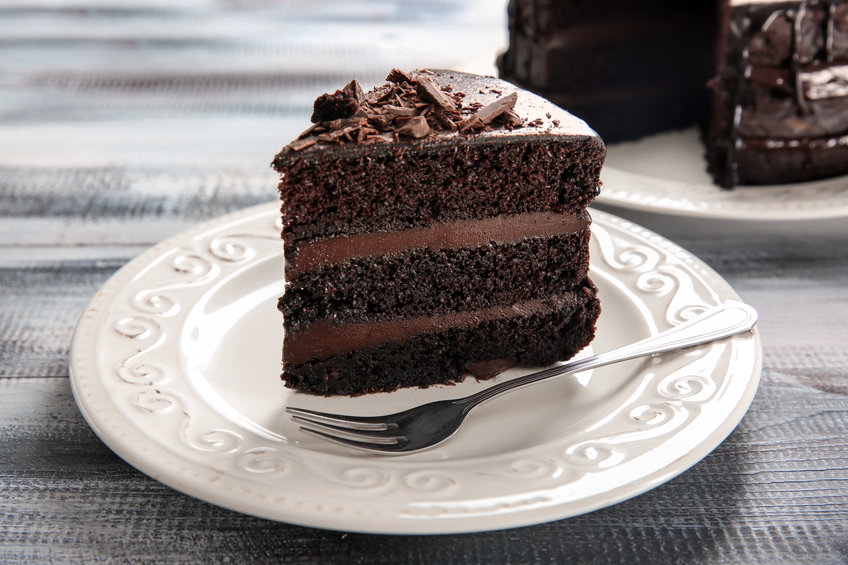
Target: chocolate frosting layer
{"type": "Point", "coordinates": [323, 339]}
{"type": "Point", "coordinates": [465, 233]}
{"type": "Point", "coordinates": [535, 118]}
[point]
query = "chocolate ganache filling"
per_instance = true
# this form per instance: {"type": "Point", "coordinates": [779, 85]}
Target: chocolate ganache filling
{"type": "Point", "coordinates": [463, 233]}
{"type": "Point", "coordinates": [323, 339]}
{"type": "Point", "coordinates": [326, 338]}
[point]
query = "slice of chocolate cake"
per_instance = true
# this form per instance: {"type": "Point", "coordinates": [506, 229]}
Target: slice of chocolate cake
{"type": "Point", "coordinates": [432, 227]}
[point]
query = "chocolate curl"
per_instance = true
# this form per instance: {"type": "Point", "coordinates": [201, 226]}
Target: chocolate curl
{"type": "Point", "coordinates": [416, 127]}
{"type": "Point", "coordinates": [341, 104]}
{"type": "Point", "coordinates": [487, 113]}
{"type": "Point", "coordinates": [300, 144]}
{"type": "Point", "coordinates": [353, 90]}
{"type": "Point", "coordinates": [513, 120]}
{"type": "Point", "coordinates": [397, 76]}
{"type": "Point", "coordinates": [428, 90]}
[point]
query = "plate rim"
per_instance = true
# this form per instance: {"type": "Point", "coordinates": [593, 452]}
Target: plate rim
{"type": "Point", "coordinates": [179, 478]}
{"type": "Point", "coordinates": [638, 191]}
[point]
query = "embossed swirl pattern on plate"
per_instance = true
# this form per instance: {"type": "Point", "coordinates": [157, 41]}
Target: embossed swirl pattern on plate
{"type": "Point", "coordinates": [156, 317]}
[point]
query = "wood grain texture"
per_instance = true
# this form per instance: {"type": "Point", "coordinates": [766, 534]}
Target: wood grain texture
{"type": "Point", "coordinates": [122, 123]}
{"type": "Point", "coordinates": [774, 492]}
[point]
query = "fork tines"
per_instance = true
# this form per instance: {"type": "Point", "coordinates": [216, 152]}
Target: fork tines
{"type": "Point", "coordinates": [355, 431]}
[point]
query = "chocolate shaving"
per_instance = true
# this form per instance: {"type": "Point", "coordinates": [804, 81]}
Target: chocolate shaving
{"type": "Point", "coordinates": [301, 144]}
{"type": "Point", "coordinates": [376, 138]}
{"type": "Point", "coordinates": [409, 107]}
{"type": "Point", "coordinates": [416, 127]}
{"type": "Point", "coordinates": [344, 123]}
{"type": "Point", "coordinates": [334, 135]}
{"type": "Point", "coordinates": [309, 130]}
{"type": "Point", "coordinates": [341, 104]}
{"type": "Point", "coordinates": [380, 95]}
{"type": "Point", "coordinates": [513, 120]}
{"type": "Point", "coordinates": [443, 119]}
{"type": "Point", "coordinates": [428, 90]}
{"type": "Point", "coordinates": [486, 114]}
{"type": "Point", "coordinates": [397, 76]}
{"type": "Point", "coordinates": [354, 90]}
{"type": "Point", "coordinates": [381, 121]}
{"type": "Point", "coordinates": [398, 110]}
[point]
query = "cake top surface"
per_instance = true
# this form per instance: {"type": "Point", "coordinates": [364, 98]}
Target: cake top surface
{"type": "Point", "coordinates": [431, 106]}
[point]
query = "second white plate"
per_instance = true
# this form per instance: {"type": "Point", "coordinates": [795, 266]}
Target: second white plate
{"type": "Point", "coordinates": [175, 365]}
{"type": "Point", "coordinates": [666, 174]}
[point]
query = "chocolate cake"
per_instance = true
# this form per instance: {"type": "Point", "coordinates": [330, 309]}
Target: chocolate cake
{"type": "Point", "coordinates": [766, 80]}
{"type": "Point", "coordinates": [780, 111]}
{"type": "Point", "coordinates": [434, 227]}
{"type": "Point", "coordinates": [628, 68]}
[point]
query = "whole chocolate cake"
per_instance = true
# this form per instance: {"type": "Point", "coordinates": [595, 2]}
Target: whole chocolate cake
{"type": "Point", "coordinates": [780, 110]}
{"type": "Point", "coordinates": [630, 68]}
{"type": "Point", "coordinates": [433, 227]}
{"type": "Point", "coordinates": [767, 80]}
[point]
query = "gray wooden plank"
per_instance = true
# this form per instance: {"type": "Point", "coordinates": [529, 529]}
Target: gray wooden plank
{"type": "Point", "coordinates": [774, 492]}
{"type": "Point", "coordinates": [97, 193]}
{"type": "Point", "coordinates": [39, 308]}
{"type": "Point", "coordinates": [28, 240]}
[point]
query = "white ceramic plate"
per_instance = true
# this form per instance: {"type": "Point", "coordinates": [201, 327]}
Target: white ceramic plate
{"type": "Point", "coordinates": [175, 366]}
{"type": "Point", "coordinates": [666, 174]}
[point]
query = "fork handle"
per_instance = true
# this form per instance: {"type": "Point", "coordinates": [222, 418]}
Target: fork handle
{"type": "Point", "coordinates": [716, 323]}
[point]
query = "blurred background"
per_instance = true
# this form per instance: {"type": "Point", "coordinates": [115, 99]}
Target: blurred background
{"type": "Point", "coordinates": [190, 100]}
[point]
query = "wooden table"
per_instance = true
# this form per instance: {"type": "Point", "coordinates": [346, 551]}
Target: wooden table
{"type": "Point", "coordinates": [122, 123]}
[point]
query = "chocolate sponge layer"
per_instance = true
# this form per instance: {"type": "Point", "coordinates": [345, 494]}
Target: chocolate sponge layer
{"type": "Point", "coordinates": [444, 356]}
{"type": "Point", "coordinates": [421, 281]}
{"type": "Point", "coordinates": [375, 188]}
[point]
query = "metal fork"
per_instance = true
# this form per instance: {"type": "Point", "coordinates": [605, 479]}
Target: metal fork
{"type": "Point", "coordinates": [429, 424]}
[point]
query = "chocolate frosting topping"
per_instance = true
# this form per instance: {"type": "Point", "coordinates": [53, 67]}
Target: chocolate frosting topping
{"type": "Point", "coordinates": [430, 104]}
